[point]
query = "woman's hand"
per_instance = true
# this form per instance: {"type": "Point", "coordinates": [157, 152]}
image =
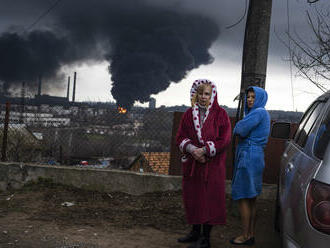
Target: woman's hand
{"type": "Point", "coordinates": [202, 159]}
{"type": "Point", "coordinates": [198, 154]}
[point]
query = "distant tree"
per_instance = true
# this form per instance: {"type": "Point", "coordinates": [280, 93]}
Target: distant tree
{"type": "Point", "coordinates": [22, 146]}
{"type": "Point", "coordinates": [96, 145]}
{"type": "Point", "coordinates": [313, 59]}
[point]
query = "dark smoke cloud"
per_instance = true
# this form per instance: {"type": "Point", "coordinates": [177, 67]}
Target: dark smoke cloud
{"type": "Point", "coordinates": [147, 46]}
{"type": "Point", "coordinates": [24, 57]}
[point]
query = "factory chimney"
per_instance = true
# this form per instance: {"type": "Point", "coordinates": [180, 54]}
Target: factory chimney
{"type": "Point", "coordinates": [21, 119]}
{"type": "Point", "coordinates": [74, 87]}
{"type": "Point", "coordinates": [39, 86]}
{"type": "Point", "coordinates": [68, 90]}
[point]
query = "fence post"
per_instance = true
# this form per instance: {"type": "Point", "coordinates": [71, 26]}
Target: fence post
{"type": "Point", "coordinates": [5, 133]}
{"type": "Point", "coordinates": [61, 155]}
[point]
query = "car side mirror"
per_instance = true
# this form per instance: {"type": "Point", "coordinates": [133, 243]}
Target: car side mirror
{"type": "Point", "coordinates": [281, 130]}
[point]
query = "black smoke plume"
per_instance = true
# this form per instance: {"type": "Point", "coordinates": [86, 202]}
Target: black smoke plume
{"type": "Point", "coordinates": [147, 46]}
{"type": "Point", "coordinates": [26, 56]}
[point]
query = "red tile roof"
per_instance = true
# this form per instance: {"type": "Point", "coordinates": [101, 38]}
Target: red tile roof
{"type": "Point", "coordinates": [158, 161]}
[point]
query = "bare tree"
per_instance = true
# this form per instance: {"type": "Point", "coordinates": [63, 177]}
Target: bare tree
{"type": "Point", "coordinates": [313, 59]}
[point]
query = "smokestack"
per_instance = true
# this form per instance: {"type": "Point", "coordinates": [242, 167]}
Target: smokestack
{"type": "Point", "coordinates": [68, 90]}
{"type": "Point", "coordinates": [39, 86]}
{"type": "Point", "coordinates": [22, 103]}
{"type": "Point", "coordinates": [74, 87]}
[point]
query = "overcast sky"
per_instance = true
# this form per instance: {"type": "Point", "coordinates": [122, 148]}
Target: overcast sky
{"type": "Point", "coordinates": [97, 40]}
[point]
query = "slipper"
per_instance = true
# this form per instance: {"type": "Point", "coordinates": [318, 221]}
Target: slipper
{"type": "Point", "coordinates": [249, 241]}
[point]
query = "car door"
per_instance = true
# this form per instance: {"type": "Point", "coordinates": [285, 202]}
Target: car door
{"type": "Point", "coordinates": [293, 165]}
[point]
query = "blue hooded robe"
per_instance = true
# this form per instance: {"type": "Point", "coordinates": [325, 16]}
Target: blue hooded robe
{"type": "Point", "coordinates": [253, 131]}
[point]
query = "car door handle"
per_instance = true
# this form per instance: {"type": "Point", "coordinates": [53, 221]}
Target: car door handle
{"type": "Point", "coordinates": [290, 167]}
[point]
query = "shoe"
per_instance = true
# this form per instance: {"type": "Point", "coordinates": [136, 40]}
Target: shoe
{"type": "Point", "coordinates": [190, 237]}
{"type": "Point", "coordinates": [202, 242]}
{"type": "Point", "coordinates": [249, 241]}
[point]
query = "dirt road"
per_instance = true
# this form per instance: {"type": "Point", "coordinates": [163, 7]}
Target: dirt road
{"type": "Point", "coordinates": [40, 215]}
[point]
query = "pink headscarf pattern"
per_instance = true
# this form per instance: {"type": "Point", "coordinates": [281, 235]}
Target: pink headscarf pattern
{"type": "Point", "coordinates": [211, 149]}
{"type": "Point", "coordinates": [195, 109]}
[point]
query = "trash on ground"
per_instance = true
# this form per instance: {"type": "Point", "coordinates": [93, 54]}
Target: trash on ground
{"type": "Point", "coordinates": [9, 198]}
{"type": "Point", "coordinates": [67, 204]}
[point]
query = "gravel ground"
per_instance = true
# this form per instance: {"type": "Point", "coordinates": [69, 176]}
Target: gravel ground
{"type": "Point", "coordinates": [40, 215]}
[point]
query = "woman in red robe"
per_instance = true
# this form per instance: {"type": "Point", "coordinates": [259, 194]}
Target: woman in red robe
{"type": "Point", "coordinates": [203, 137]}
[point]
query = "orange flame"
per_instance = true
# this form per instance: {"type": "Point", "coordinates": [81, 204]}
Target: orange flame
{"type": "Point", "coordinates": [122, 110]}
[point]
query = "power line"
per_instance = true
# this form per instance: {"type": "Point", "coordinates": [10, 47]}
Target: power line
{"type": "Point", "coordinates": [233, 25]}
{"type": "Point", "coordinates": [312, 1]}
{"type": "Point", "coordinates": [44, 14]}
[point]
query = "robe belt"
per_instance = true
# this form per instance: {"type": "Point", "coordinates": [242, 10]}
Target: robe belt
{"type": "Point", "coordinates": [245, 143]}
{"type": "Point", "coordinates": [206, 172]}
{"type": "Point", "coordinates": [192, 168]}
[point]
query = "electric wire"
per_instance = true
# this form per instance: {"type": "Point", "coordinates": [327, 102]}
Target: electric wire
{"type": "Point", "coordinates": [312, 1]}
{"type": "Point", "coordinates": [44, 14]}
{"type": "Point", "coordinates": [245, 11]}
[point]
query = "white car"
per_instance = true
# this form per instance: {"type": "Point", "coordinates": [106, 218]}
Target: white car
{"type": "Point", "coordinates": [303, 202]}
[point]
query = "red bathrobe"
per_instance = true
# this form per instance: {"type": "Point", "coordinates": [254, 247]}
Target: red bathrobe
{"type": "Point", "coordinates": [203, 185]}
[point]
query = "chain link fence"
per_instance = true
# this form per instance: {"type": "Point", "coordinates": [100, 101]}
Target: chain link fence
{"type": "Point", "coordinates": [88, 135]}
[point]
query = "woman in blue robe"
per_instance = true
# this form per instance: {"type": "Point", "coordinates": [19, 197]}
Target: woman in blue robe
{"type": "Point", "coordinates": [253, 131]}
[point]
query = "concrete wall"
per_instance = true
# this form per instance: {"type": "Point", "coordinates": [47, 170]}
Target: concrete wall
{"type": "Point", "coordinates": [15, 175]}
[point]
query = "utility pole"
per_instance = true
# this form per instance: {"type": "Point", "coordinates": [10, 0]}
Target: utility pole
{"type": "Point", "coordinates": [5, 134]}
{"type": "Point", "coordinates": [255, 48]}
{"type": "Point", "coordinates": [254, 61]}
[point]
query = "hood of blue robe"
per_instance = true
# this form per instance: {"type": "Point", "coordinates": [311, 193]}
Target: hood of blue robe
{"type": "Point", "coordinates": [260, 100]}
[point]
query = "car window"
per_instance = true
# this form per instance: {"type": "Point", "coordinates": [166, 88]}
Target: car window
{"type": "Point", "coordinates": [303, 121]}
{"type": "Point", "coordinates": [322, 136]}
{"type": "Point", "coordinates": [307, 123]}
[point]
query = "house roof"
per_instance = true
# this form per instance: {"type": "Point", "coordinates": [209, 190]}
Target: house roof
{"type": "Point", "coordinates": [158, 161]}
{"type": "Point", "coordinates": [20, 129]}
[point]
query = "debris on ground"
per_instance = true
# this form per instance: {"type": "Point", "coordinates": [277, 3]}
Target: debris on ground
{"type": "Point", "coordinates": [153, 220]}
{"type": "Point", "coordinates": [67, 204]}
